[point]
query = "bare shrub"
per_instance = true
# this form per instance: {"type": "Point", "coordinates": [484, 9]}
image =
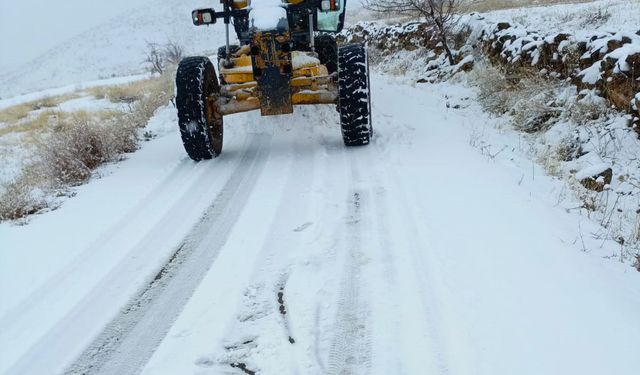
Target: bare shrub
{"type": "Point", "coordinates": [536, 109]}
{"type": "Point", "coordinates": [156, 93]}
{"type": "Point", "coordinates": [595, 17]}
{"type": "Point", "coordinates": [160, 56]}
{"type": "Point", "coordinates": [19, 198]}
{"type": "Point", "coordinates": [460, 37]}
{"type": "Point", "coordinates": [77, 143]}
{"type": "Point", "coordinates": [494, 89]}
{"type": "Point", "coordinates": [529, 98]}
{"type": "Point", "coordinates": [80, 142]}
{"type": "Point", "coordinates": [154, 58]}
{"type": "Point", "coordinates": [550, 158]}
{"type": "Point", "coordinates": [443, 14]}
{"type": "Point", "coordinates": [173, 52]}
{"type": "Point", "coordinates": [588, 107]}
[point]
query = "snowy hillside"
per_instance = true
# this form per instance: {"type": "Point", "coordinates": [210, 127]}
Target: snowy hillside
{"type": "Point", "coordinates": [115, 48]}
{"type": "Point", "coordinates": [607, 15]}
{"type": "Point", "coordinates": [448, 245]}
{"type": "Point", "coordinates": [49, 24]}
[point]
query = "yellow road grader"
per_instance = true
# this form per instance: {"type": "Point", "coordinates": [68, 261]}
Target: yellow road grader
{"type": "Point", "coordinates": [287, 55]}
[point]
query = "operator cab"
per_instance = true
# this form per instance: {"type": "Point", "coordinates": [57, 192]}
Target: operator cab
{"type": "Point", "coordinates": [327, 16]}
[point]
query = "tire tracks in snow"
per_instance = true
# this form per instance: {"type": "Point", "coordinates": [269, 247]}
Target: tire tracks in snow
{"type": "Point", "coordinates": [73, 305]}
{"type": "Point", "coordinates": [350, 350]}
{"type": "Point", "coordinates": [424, 279]}
{"type": "Point", "coordinates": [263, 317]}
{"type": "Point", "coordinates": [127, 343]}
{"type": "Point", "coordinates": [451, 351]}
{"type": "Point", "coordinates": [45, 290]}
{"type": "Point", "coordinates": [406, 280]}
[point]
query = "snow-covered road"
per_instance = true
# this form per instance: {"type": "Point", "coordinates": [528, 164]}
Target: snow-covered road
{"type": "Point", "coordinates": [291, 254]}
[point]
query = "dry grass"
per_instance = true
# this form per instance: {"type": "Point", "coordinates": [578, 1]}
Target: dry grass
{"type": "Point", "coordinates": [15, 113]}
{"type": "Point", "coordinates": [34, 124]}
{"type": "Point", "coordinates": [157, 92]}
{"type": "Point", "coordinates": [44, 121]}
{"type": "Point", "coordinates": [74, 146]}
{"type": "Point", "coordinates": [54, 101]}
{"type": "Point", "coordinates": [534, 102]}
{"type": "Point", "coordinates": [80, 142]}
{"type": "Point", "coordinates": [145, 95]}
{"type": "Point", "coordinates": [19, 112]}
{"type": "Point", "coordinates": [127, 93]}
{"type": "Point", "coordinates": [19, 198]}
{"type": "Point", "coordinates": [69, 146]}
{"type": "Point", "coordinates": [491, 5]}
{"type": "Point", "coordinates": [495, 90]}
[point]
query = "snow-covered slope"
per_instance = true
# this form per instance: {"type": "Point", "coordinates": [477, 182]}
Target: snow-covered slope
{"type": "Point", "coordinates": [31, 27]}
{"type": "Point", "coordinates": [605, 15]}
{"type": "Point", "coordinates": [115, 48]}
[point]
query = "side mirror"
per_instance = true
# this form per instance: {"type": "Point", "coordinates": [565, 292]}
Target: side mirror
{"type": "Point", "coordinates": [329, 5]}
{"type": "Point", "coordinates": [203, 17]}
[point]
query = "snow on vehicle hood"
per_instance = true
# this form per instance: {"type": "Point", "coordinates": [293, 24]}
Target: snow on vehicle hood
{"type": "Point", "coordinates": [268, 15]}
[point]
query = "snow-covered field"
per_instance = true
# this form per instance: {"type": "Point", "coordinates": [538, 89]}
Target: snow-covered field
{"type": "Point", "coordinates": [605, 15]}
{"type": "Point", "coordinates": [291, 254]}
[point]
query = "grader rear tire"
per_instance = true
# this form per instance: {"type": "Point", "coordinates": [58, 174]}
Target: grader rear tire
{"type": "Point", "coordinates": [354, 98]}
{"type": "Point", "coordinates": [201, 126]}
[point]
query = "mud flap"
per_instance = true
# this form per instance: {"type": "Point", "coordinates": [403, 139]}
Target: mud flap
{"type": "Point", "coordinates": [272, 70]}
{"type": "Point", "coordinates": [274, 92]}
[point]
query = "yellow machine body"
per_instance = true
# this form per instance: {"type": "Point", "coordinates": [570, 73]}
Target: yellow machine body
{"type": "Point", "coordinates": [310, 84]}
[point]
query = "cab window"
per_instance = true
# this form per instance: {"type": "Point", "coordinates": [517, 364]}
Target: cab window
{"type": "Point", "coordinates": [331, 21]}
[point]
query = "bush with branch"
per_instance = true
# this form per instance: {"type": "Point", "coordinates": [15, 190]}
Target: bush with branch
{"type": "Point", "coordinates": [443, 14]}
{"type": "Point", "coordinates": [160, 56]}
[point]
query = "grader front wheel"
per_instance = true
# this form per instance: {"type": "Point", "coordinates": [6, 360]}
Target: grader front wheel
{"type": "Point", "coordinates": [354, 98]}
{"type": "Point", "coordinates": [201, 126]}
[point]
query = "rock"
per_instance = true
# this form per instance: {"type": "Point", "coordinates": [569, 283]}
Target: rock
{"type": "Point", "coordinates": [634, 64]}
{"type": "Point", "coordinates": [560, 38]}
{"type": "Point", "coordinates": [503, 26]}
{"type": "Point", "coordinates": [618, 90]}
{"type": "Point", "coordinates": [467, 67]}
{"type": "Point", "coordinates": [581, 48]}
{"type": "Point", "coordinates": [598, 181]}
{"type": "Point", "coordinates": [613, 44]}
